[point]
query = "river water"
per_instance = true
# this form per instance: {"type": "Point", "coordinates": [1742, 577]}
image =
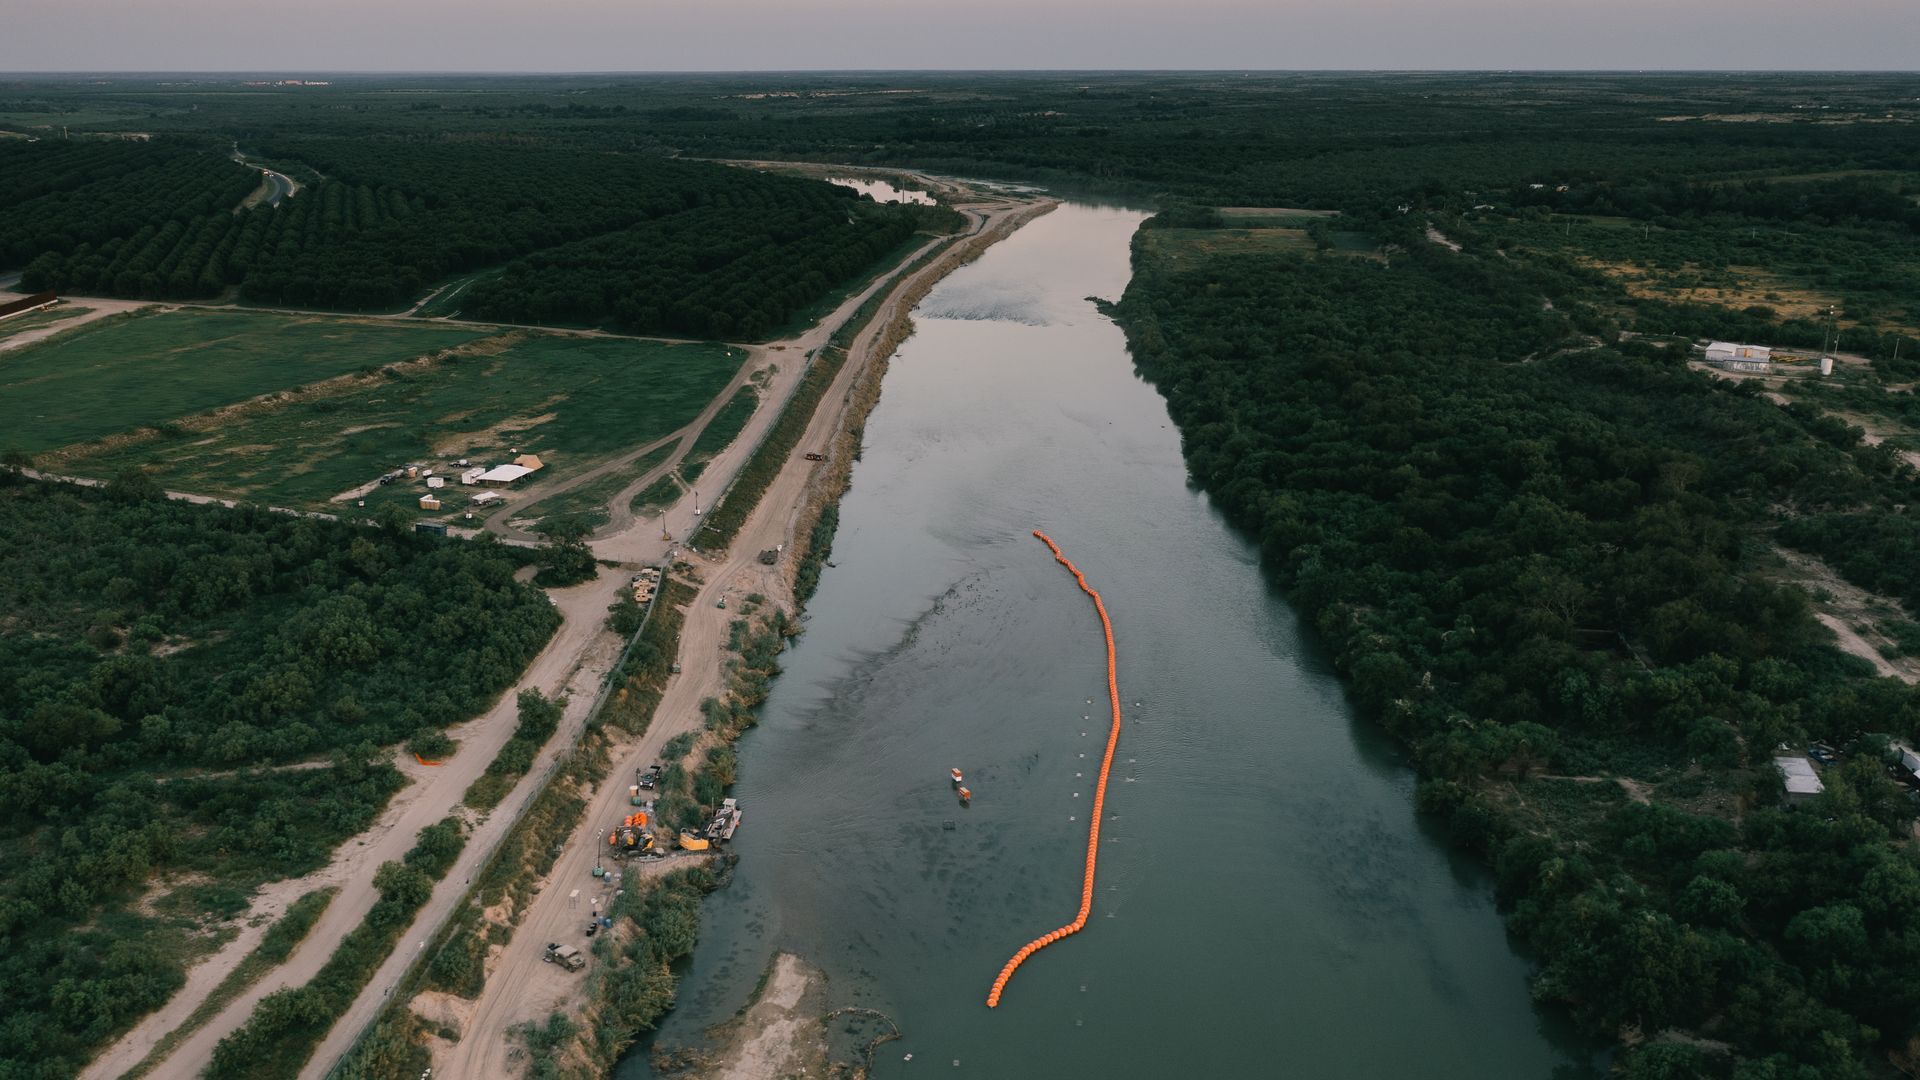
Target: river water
{"type": "Point", "coordinates": [1268, 904]}
{"type": "Point", "coordinates": [882, 191]}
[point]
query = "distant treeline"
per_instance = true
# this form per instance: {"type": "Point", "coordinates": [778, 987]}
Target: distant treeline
{"type": "Point", "coordinates": [627, 239]}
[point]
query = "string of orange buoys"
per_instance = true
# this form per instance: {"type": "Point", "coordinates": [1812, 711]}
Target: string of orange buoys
{"type": "Point", "coordinates": [1099, 791]}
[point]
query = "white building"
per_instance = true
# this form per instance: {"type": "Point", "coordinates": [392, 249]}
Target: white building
{"type": "Point", "coordinates": [1733, 357]}
{"type": "Point", "coordinates": [1909, 761]}
{"type": "Point", "coordinates": [1802, 782]}
{"type": "Point", "coordinates": [501, 475]}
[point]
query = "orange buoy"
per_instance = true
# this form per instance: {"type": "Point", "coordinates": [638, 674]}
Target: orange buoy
{"type": "Point", "coordinates": [1099, 791]}
{"type": "Point", "coordinates": [956, 776]}
{"type": "Point", "coordinates": [965, 795]}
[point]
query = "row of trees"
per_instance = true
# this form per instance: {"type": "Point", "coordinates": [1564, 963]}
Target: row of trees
{"type": "Point", "coordinates": [1526, 552]}
{"type": "Point", "coordinates": [724, 270]}
{"type": "Point", "coordinates": [159, 660]}
{"type": "Point", "coordinates": [60, 196]}
{"type": "Point", "coordinates": [634, 240]}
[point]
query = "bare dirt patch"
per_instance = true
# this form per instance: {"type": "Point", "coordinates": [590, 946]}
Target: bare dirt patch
{"type": "Point", "coordinates": [461, 441]}
{"type": "Point", "coordinates": [780, 1034]}
{"type": "Point", "coordinates": [1855, 616]}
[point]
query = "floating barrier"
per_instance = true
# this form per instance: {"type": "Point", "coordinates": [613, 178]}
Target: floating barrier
{"type": "Point", "coordinates": [1099, 791]}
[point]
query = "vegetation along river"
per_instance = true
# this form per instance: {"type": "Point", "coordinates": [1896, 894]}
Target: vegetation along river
{"type": "Point", "coordinates": [1268, 903]}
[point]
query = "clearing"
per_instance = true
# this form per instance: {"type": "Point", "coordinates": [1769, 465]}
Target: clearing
{"type": "Point", "coordinates": [1857, 617]}
{"type": "Point", "coordinates": [573, 401]}
{"type": "Point", "coordinates": [147, 369]}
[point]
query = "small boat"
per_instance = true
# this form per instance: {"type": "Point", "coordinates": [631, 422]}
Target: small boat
{"type": "Point", "coordinates": [956, 776]}
{"type": "Point", "coordinates": [965, 796]}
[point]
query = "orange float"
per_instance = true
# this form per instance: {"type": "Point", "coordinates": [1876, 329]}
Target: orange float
{"type": "Point", "coordinates": [1099, 791]}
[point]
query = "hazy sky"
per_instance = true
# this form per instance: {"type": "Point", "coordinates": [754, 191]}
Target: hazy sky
{"type": "Point", "coordinates": [716, 35]}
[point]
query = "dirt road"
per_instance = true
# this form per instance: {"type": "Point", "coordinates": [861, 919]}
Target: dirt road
{"type": "Point", "coordinates": [577, 656]}
{"type": "Point", "coordinates": [576, 660]}
{"type": "Point", "coordinates": [520, 985]}
{"type": "Point", "coordinates": [97, 308]}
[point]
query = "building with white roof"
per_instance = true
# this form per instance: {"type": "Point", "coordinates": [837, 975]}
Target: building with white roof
{"type": "Point", "coordinates": [1802, 782]}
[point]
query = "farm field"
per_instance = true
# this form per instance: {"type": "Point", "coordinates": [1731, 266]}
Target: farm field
{"type": "Point", "coordinates": [571, 400]}
{"type": "Point", "coordinates": [146, 369]}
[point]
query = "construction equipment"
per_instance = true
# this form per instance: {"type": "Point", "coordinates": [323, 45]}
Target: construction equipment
{"type": "Point", "coordinates": [725, 821]}
{"type": "Point", "coordinates": [632, 838]}
{"type": "Point", "coordinates": [690, 842]}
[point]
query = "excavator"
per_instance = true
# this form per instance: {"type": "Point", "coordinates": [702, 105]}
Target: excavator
{"type": "Point", "coordinates": [632, 839]}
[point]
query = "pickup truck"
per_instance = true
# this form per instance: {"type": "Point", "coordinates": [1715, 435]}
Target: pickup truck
{"type": "Point", "coordinates": [651, 776]}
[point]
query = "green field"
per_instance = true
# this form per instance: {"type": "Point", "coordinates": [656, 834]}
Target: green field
{"type": "Point", "coordinates": [122, 374]}
{"type": "Point", "coordinates": [591, 500]}
{"type": "Point", "coordinates": [34, 320]}
{"type": "Point", "coordinates": [574, 401]}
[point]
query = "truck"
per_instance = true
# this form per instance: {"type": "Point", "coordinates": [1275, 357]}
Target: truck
{"type": "Point", "coordinates": [566, 956]}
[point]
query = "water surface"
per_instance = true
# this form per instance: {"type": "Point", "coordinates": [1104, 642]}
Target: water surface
{"type": "Point", "coordinates": [881, 190]}
{"type": "Point", "coordinates": [1267, 904]}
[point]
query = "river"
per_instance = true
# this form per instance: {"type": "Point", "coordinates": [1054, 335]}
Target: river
{"type": "Point", "coordinates": [1268, 903]}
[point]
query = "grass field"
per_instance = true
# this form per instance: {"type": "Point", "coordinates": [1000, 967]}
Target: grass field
{"type": "Point", "coordinates": [34, 320]}
{"type": "Point", "coordinates": [573, 401]}
{"type": "Point", "coordinates": [122, 374]}
{"type": "Point", "coordinates": [590, 500]}
{"type": "Point", "coordinates": [725, 426]}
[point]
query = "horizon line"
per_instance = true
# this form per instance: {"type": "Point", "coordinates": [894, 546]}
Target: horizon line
{"type": "Point", "coordinates": [657, 72]}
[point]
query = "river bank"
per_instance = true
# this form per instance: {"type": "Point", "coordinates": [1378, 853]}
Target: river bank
{"type": "Point", "coordinates": [1309, 900]}
{"type": "Point", "coordinates": [519, 988]}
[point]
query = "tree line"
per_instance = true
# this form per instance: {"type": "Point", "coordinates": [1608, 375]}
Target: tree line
{"type": "Point", "coordinates": [632, 239]}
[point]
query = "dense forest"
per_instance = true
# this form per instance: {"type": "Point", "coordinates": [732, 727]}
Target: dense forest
{"type": "Point", "coordinates": [740, 265]}
{"type": "Point", "coordinates": [1534, 554]}
{"type": "Point", "coordinates": [160, 661]}
{"type": "Point", "coordinates": [629, 239]}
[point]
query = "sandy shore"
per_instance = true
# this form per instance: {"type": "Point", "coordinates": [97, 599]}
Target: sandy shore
{"type": "Point", "coordinates": [782, 1033]}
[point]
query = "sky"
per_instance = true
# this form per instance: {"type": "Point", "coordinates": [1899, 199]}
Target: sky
{"type": "Point", "coordinates": [310, 36]}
